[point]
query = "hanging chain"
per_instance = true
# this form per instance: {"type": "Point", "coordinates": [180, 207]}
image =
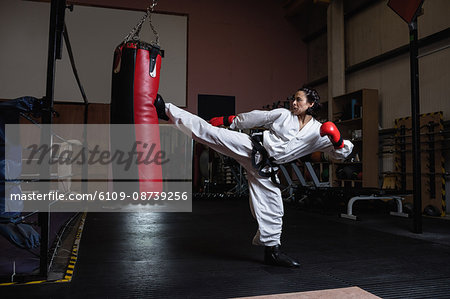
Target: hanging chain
{"type": "Point", "coordinates": [152, 8]}
{"type": "Point", "coordinates": [134, 33]}
{"type": "Point", "coordinates": [136, 29]}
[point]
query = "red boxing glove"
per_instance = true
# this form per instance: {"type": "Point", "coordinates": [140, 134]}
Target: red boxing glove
{"type": "Point", "coordinates": [328, 128]}
{"type": "Point", "coordinates": [222, 120]}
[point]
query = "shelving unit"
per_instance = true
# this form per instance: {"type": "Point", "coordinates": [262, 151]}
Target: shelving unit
{"type": "Point", "coordinates": [356, 116]}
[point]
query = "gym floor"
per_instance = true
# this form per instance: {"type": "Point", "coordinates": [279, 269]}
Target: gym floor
{"type": "Point", "coordinates": [208, 254]}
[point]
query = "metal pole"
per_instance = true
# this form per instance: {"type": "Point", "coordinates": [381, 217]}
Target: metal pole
{"type": "Point", "coordinates": [415, 113]}
{"type": "Point", "coordinates": [56, 26]}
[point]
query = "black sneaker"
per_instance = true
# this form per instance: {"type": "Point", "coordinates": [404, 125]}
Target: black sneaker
{"type": "Point", "coordinates": [275, 257]}
{"type": "Point", "coordinates": [160, 108]}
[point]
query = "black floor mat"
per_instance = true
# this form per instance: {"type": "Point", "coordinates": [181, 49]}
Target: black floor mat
{"type": "Point", "coordinates": [208, 254]}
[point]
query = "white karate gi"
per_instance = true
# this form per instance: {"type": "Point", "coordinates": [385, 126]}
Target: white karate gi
{"type": "Point", "coordinates": [283, 140]}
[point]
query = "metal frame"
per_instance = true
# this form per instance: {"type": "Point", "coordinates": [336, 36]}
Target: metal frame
{"type": "Point", "coordinates": [317, 185]}
{"type": "Point", "coordinates": [56, 28]}
{"type": "Point", "coordinates": [398, 201]}
{"type": "Point", "coordinates": [57, 31]}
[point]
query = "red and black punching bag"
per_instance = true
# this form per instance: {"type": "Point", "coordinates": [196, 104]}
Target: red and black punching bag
{"type": "Point", "coordinates": [135, 83]}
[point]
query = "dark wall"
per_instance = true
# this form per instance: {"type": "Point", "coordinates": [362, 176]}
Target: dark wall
{"type": "Point", "coordinates": [245, 49]}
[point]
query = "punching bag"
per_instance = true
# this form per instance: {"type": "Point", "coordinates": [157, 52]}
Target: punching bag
{"type": "Point", "coordinates": [135, 83]}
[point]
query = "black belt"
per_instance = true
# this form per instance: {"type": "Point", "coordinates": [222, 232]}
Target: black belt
{"type": "Point", "coordinates": [266, 161]}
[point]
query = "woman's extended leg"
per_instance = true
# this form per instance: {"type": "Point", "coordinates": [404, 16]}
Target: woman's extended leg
{"type": "Point", "coordinates": [230, 143]}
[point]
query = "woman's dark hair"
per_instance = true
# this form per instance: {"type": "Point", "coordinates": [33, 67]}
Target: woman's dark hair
{"type": "Point", "coordinates": [312, 97]}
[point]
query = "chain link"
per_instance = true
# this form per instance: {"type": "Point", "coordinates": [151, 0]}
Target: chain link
{"type": "Point", "coordinates": [155, 33]}
{"type": "Point", "coordinates": [134, 33]}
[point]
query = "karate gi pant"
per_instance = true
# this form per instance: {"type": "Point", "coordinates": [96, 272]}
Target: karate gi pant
{"type": "Point", "coordinates": [266, 203]}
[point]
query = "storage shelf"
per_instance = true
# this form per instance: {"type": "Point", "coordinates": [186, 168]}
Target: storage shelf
{"type": "Point", "coordinates": [351, 120]}
{"type": "Point", "coordinates": [363, 106]}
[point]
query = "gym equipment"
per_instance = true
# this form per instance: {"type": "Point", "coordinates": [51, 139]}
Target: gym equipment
{"type": "Point", "coordinates": [376, 194]}
{"type": "Point", "coordinates": [323, 190]}
{"type": "Point", "coordinates": [431, 210]}
{"type": "Point", "coordinates": [11, 168]}
{"type": "Point", "coordinates": [11, 151]}
{"type": "Point", "coordinates": [219, 176]}
{"type": "Point", "coordinates": [431, 139]}
{"type": "Point", "coordinates": [20, 234]}
{"type": "Point", "coordinates": [135, 83]}
{"type": "Point", "coordinates": [348, 172]}
{"type": "Point", "coordinates": [241, 184]}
